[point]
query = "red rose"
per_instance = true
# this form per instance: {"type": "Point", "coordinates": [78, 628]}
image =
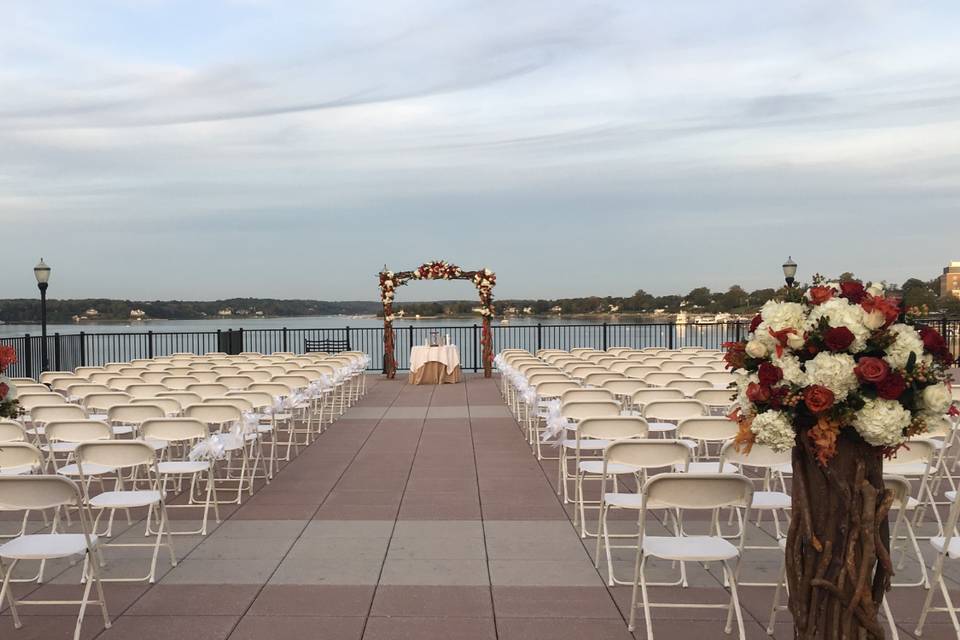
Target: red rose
{"type": "Point", "coordinates": [838, 338]}
{"type": "Point", "coordinates": [889, 307]}
{"type": "Point", "coordinates": [934, 343]}
{"type": "Point", "coordinates": [8, 355]}
{"type": "Point", "coordinates": [891, 387]}
{"type": "Point", "coordinates": [853, 291]}
{"type": "Point", "coordinates": [818, 398]}
{"type": "Point", "coordinates": [873, 370]}
{"type": "Point", "coordinates": [770, 374]}
{"type": "Point", "coordinates": [755, 322]}
{"type": "Point", "coordinates": [819, 295]}
{"type": "Point", "coordinates": [777, 396]}
{"type": "Point", "coordinates": [758, 394]}
{"type": "Point", "coordinates": [4, 389]}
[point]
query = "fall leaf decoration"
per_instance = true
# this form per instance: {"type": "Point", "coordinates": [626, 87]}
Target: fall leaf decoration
{"type": "Point", "coordinates": [824, 436]}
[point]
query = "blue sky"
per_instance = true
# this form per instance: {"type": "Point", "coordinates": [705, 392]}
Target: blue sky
{"type": "Point", "coordinates": [154, 149]}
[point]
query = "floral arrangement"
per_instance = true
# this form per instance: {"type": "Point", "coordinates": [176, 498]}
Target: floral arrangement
{"type": "Point", "coordinates": [484, 280]}
{"type": "Point", "coordinates": [839, 357]}
{"type": "Point", "coordinates": [9, 407]}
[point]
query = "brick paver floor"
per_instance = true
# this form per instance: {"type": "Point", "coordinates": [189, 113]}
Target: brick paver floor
{"type": "Point", "coordinates": [421, 515]}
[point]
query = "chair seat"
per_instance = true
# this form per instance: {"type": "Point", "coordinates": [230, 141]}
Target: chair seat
{"type": "Point", "coordinates": [60, 447]}
{"type": "Point", "coordinates": [122, 430]}
{"type": "Point", "coordinates": [707, 467]}
{"type": "Point", "coordinates": [125, 499]}
{"type": "Point", "coordinates": [770, 500]}
{"type": "Point", "coordinates": [693, 548]}
{"type": "Point", "coordinates": [909, 469]}
{"type": "Point", "coordinates": [953, 552]}
{"type": "Point", "coordinates": [73, 470]}
{"type": "Point", "coordinates": [175, 467]}
{"type": "Point", "coordinates": [596, 467]}
{"type": "Point", "coordinates": [20, 470]}
{"type": "Point", "coordinates": [623, 500]}
{"type": "Point", "coordinates": [661, 427]}
{"type": "Point", "coordinates": [950, 495]}
{"type": "Point", "coordinates": [586, 445]}
{"type": "Point", "coordinates": [45, 545]}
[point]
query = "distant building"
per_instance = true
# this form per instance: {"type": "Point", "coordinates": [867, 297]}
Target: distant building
{"type": "Point", "coordinates": [225, 312]}
{"type": "Point", "coordinates": [556, 309]}
{"type": "Point", "coordinates": [528, 310]}
{"type": "Point", "coordinates": [138, 314]}
{"type": "Point", "coordinates": [950, 281]}
{"type": "Point", "coordinates": [91, 313]}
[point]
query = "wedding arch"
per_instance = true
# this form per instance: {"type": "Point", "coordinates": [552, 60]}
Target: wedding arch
{"type": "Point", "coordinates": [484, 280]}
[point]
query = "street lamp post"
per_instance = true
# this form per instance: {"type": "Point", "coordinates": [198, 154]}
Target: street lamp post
{"type": "Point", "coordinates": [42, 272]}
{"type": "Point", "coordinates": [790, 272]}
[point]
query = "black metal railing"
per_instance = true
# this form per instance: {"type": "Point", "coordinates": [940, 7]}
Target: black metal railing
{"type": "Point", "coordinates": [67, 351]}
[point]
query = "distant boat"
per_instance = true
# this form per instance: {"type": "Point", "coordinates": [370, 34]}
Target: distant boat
{"type": "Point", "coordinates": [504, 321]}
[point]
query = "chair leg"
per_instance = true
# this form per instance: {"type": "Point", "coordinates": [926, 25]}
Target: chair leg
{"type": "Point", "coordinates": [776, 598]}
{"type": "Point", "coordinates": [7, 591]}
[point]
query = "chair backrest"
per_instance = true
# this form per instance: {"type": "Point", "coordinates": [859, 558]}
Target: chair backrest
{"type": "Point", "coordinates": [36, 493]}
{"type": "Point", "coordinates": [235, 383]}
{"type": "Point", "coordinates": [122, 382]}
{"type": "Point", "coordinates": [116, 454]}
{"type": "Point", "coordinates": [689, 387]}
{"type": "Point", "coordinates": [227, 370]}
{"type": "Point", "coordinates": [674, 366]}
{"type": "Point", "coordinates": [174, 429]}
{"type": "Point", "coordinates": [598, 379]}
{"type": "Point", "coordinates": [145, 390]}
{"type": "Point", "coordinates": [648, 454]}
{"type": "Point", "coordinates": [583, 371]}
{"type": "Point", "coordinates": [170, 406]}
{"type": "Point", "coordinates": [31, 387]}
{"type": "Point", "coordinates": [115, 366]}
{"type": "Point", "coordinates": [695, 371]}
{"type": "Point", "coordinates": [208, 389]}
{"type": "Point", "coordinates": [101, 377]}
{"type": "Point", "coordinates": [179, 371]}
{"type": "Point", "coordinates": [48, 377]}
{"type": "Point", "coordinates": [640, 371]}
{"type": "Point", "coordinates": [257, 399]}
{"type": "Point", "coordinates": [178, 382]}
{"type": "Point", "coordinates": [274, 389]}
{"type": "Point", "coordinates": [917, 452]}
{"type": "Point", "coordinates": [257, 375]}
{"type": "Point", "coordinates": [707, 428]}
{"type": "Point", "coordinates": [719, 378]}
{"type": "Point", "coordinates": [185, 398]}
{"type": "Point", "coordinates": [82, 390]}
{"type": "Point", "coordinates": [646, 396]}
{"type": "Point", "coordinates": [674, 409]}
{"type": "Point", "coordinates": [204, 376]}
{"type": "Point", "coordinates": [554, 389]}
{"type": "Point", "coordinates": [60, 383]}
{"type": "Point", "coordinates": [714, 397]}
{"type": "Point", "coordinates": [28, 401]}
{"type": "Point", "coordinates": [592, 409]}
{"type": "Point", "coordinates": [624, 386]}
{"type": "Point", "coordinates": [103, 401]}
{"type": "Point", "coordinates": [51, 412]}
{"type": "Point", "coordinates": [292, 382]}
{"type": "Point", "coordinates": [538, 378]}
{"type": "Point", "coordinates": [18, 457]}
{"type": "Point", "coordinates": [77, 430]}
{"type": "Point", "coordinates": [585, 395]}
{"type": "Point", "coordinates": [201, 367]}
{"type": "Point", "coordinates": [662, 378]}
{"type": "Point", "coordinates": [135, 413]}
{"type": "Point", "coordinates": [273, 369]}
{"type": "Point", "coordinates": [235, 401]}
{"type": "Point", "coordinates": [899, 487]}
{"type": "Point", "coordinates": [132, 371]}
{"type": "Point", "coordinates": [612, 428]}
{"type": "Point", "coordinates": [697, 491]}
{"type": "Point", "coordinates": [11, 431]}
{"type": "Point", "coordinates": [213, 413]}
{"type": "Point", "coordinates": [154, 377]}
{"type": "Point", "coordinates": [760, 456]}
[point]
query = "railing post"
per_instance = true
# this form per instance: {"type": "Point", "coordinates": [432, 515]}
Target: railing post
{"type": "Point", "coordinates": [670, 334]}
{"type": "Point", "coordinates": [27, 356]}
{"type": "Point", "coordinates": [739, 334]}
{"type": "Point", "coordinates": [604, 340]}
{"type": "Point", "coordinates": [284, 339]}
{"type": "Point", "coordinates": [56, 351]}
{"type": "Point", "coordinates": [476, 347]}
{"type": "Point", "coordinates": [348, 338]}
{"type": "Point", "coordinates": [150, 343]}
{"type": "Point", "coordinates": [539, 336]}
{"type": "Point", "coordinates": [83, 349]}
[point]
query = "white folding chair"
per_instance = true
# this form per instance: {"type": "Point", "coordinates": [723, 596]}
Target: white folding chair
{"type": "Point", "coordinates": [691, 492]}
{"type": "Point", "coordinates": [31, 493]}
{"type": "Point", "coordinates": [947, 547]}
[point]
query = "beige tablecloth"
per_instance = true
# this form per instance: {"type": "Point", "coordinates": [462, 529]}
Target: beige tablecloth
{"type": "Point", "coordinates": [434, 365]}
{"type": "Point", "coordinates": [434, 373]}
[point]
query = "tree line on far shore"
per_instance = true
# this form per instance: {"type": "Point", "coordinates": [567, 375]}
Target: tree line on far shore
{"type": "Point", "coordinates": [735, 300]}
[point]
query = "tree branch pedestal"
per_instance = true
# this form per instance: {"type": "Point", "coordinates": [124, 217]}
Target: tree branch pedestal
{"type": "Point", "coordinates": [838, 546]}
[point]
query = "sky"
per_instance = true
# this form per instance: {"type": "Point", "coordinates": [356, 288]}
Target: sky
{"type": "Point", "coordinates": [200, 150]}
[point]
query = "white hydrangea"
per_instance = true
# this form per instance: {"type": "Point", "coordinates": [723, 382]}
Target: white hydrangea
{"type": "Point", "coordinates": [743, 380]}
{"type": "Point", "coordinates": [833, 371]}
{"type": "Point", "coordinates": [779, 316]}
{"type": "Point", "coordinates": [11, 388]}
{"type": "Point", "coordinates": [840, 313]}
{"type": "Point", "coordinates": [907, 341]}
{"type": "Point", "coordinates": [937, 398]}
{"type": "Point", "coordinates": [881, 422]}
{"type": "Point", "coordinates": [773, 429]}
{"type": "Point", "coordinates": [793, 372]}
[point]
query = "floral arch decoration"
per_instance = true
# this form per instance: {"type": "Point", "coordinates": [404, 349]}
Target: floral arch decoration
{"type": "Point", "coordinates": [484, 280]}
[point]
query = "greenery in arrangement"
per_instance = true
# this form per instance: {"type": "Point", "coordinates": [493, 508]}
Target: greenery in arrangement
{"type": "Point", "coordinates": [9, 408]}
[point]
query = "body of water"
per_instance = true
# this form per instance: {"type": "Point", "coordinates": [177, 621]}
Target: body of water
{"type": "Point", "coordinates": [303, 322]}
